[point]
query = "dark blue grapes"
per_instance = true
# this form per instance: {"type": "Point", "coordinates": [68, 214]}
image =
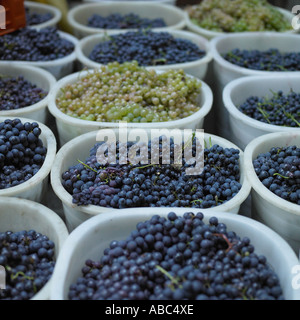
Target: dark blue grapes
{"type": "Point", "coordinates": [126, 21]}
{"type": "Point", "coordinates": [280, 109]}
{"type": "Point", "coordinates": [28, 259]}
{"type": "Point", "coordinates": [178, 258]}
{"type": "Point", "coordinates": [17, 93]}
{"type": "Point", "coordinates": [147, 48]}
{"type": "Point", "coordinates": [269, 60]}
{"type": "Point", "coordinates": [22, 152]}
{"type": "Point", "coordinates": [28, 44]}
{"type": "Point", "coordinates": [162, 185]}
{"type": "Point", "coordinates": [279, 171]}
{"type": "Point", "coordinates": [33, 18]}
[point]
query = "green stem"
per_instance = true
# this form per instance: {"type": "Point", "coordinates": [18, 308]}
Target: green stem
{"type": "Point", "coordinates": [145, 166]}
{"type": "Point", "coordinates": [87, 166]}
{"type": "Point", "coordinates": [166, 273]}
{"type": "Point", "coordinates": [280, 175]}
{"type": "Point", "coordinates": [210, 143]}
{"type": "Point", "coordinates": [155, 61]}
{"type": "Point", "coordinates": [290, 116]}
{"type": "Point", "coordinates": [20, 273]}
{"type": "Point", "coordinates": [264, 113]}
{"type": "Point", "coordinates": [218, 200]}
{"type": "Point", "coordinates": [198, 200]}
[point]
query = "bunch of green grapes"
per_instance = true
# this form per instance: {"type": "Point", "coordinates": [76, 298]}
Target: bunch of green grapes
{"type": "Point", "coordinates": [238, 16]}
{"type": "Point", "coordinates": [128, 92]}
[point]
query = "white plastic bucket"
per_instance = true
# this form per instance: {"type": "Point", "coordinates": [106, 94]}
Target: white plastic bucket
{"type": "Point", "coordinates": [78, 16]}
{"type": "Point", "coordinates": [35, 188]}
{"type": "Point", "coordinates": [243, 129]}
{"type": "Point", "coordinates": [195, 68]}
{"type": "Point", "coordinates": [280, 215]}
{"type": "Point", "coordinates": [171, 2]}
{"type": "Point", "coordinates": [59, 68]}
{"type": "Point", "coordinates": [89, 240]}
{"type": "Point", "coordinates": [79, 148]}
{"type": "Point", "coordinates": [37, 76]}
{"type": "Point", "coordinates": [19, 214]}
{"type": "Point", "coordinates": [212, 34]}
{"type": "Point", "coordinates": [224, 71]}
{"type": "Point", "coordinates": [69, 127]}
{"type": "Point", "coordinates": [41, 8]}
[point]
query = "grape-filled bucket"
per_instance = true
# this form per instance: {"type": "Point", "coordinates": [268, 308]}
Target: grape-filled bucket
{"type": "Point", "coordinates": [79, 148]}
{"type": "Point", "coordinates": [209, 34]}
{"type": "Point", "coordinates": [36, 187]}
{"type": "Point", "coordinates": [225, 71]}
{"type": "Point", "coordinates": [37, 76]}
{"type": "Point", "coordinates": [79, 15]}
{"type": "Point", "coordinates": [197, 68]}
{"type": "Point", "coordinates": [90, 239]}
{"type": "Point", "coordinates": [70, 127]}
{"type": "Point", "coordinates": [42, 8]}
{"type": "Point", "coordinates": [20, 214]}
{"type": "Point", "coordinates": [59, 68]}
{"type": "Point", "coordinates": [277, 213]}
{"type": "Point", "coordinates": [243, 128]}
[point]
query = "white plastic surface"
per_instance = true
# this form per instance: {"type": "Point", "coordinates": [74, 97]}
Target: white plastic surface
{"type": "Point", "coordinates": [224, 71]}
{"type": "Point", "coordinates": [196, 68]}
{"type": "Point", "coordinates": [70, 127]}
{"type": "Point", "coordinates": [37, 76]}
{"type": "Point", "coordinates": [59, 68]}
{"type": "Point", "coordinates": [41, 8]}
{"type": "Point", "coordinates": [19, 214]}
{"type": "Point", "coordinates": [78, 16]}
{"type": "Point", "coordinates": [281, 215]}
{"type": "Point", "coordinates": [243, 129]}
{"type": "Point", "coordinates": [79, 148]}
{"type": "Point", "coordinates": [90, 239]}
{"type": "Point", "coordinates": [212, 34]}
{"type": "Point", "coordinates": [35, 188]}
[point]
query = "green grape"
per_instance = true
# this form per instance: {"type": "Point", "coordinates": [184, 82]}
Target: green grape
{"type": "Point", "coordinates": [130, 93]}
{"type": "Point", "coordinates": [237, 16]}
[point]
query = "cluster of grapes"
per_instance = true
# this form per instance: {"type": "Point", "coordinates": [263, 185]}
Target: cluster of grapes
{"type": "Point", "coordinates": [238, 16]}
{"type": "Point", "coordinates": [28, 259]}
{"type": "Point", "coordinates": [28, 44]}
{"type": "Point", "coordinates": [279, 171]}
{"type": "Point", "coordinates": [22, 152]}
{"type": "Point", "coordinates": [178, 258]}
{"type": "Point", "coordinates": [124, 184]}
{"type": "Point", "coordinates": [126, 21]}
{"type": "Point", "coordinates": [280, 109]}
{"type": "Point", "coordinates": [128, 92]}
{"type": "Point", "coordinates": [267, 60]}
{"type": "Point", "coordinates": [34, 18]}
{"type": "Point", "coordinates": [147, 48]}
{"type": "Point", "coordinates": [16, 93]}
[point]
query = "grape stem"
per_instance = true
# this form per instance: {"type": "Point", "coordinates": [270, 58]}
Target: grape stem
{"type": "Point", "coordinates": [221, 235]}
{"type": "Point", "coordinates": [166, 273]}
{"type": "Point", "coordinates": [87, 166]}
{"type": "Point", "coordinates": [20, 273]}
{"type": "Point", "coordinates": [280, 175]}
